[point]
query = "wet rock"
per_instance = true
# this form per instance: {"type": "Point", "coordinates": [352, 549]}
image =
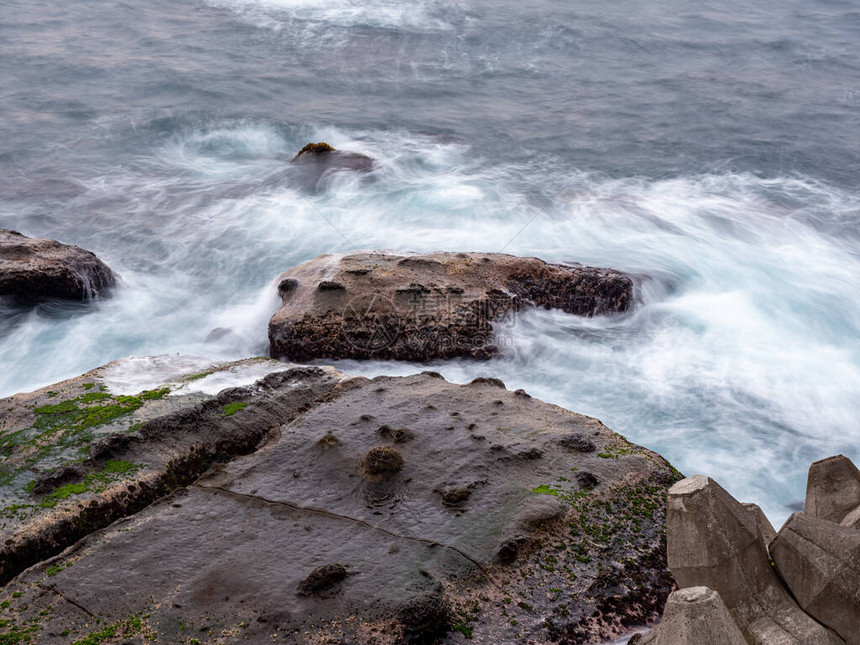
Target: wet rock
{"type": "Point", "coordinates": [694, 616]}
{"type": "Point", "coordinates": [820, 562]}
{"type": "Point", "coordinates": [714, 541]}
{"type": "Point", "coordinates": [325, 156]}
{"type": "Point", "coordinates": [832, 489]}
{"type": "Point", "coordinates": [418, 308]}
{"type": "Point", "coordinates": [135, 449]}
{"type": "Point", "coordinates": [455, 495]}
{"type": "Point", "coordinates": [425, 618]}
{"type": "Point", "coordinates": [240, 541]}
{"type": "Point", "coordinates": [381, 461]}
{"type": "Point", "coordinates": [322, 579]}
{"type": "Point", "coordinates": [397, 435]}
{"type": "Point", "coordinates": [32, 270]}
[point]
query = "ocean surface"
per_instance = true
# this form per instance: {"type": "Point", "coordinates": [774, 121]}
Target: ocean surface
{"type": "Point", "coordinates": [712, 148]}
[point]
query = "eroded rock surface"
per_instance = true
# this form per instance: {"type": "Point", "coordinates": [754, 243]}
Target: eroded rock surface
{"type": "Point", "coordinates": [421, 307]}
{"type": "Point", "coordinates": [389, 510]}
{"type": "Point", "coordinates": [80, 454]}
{"type": "Point", "coordinates": [34, 269]}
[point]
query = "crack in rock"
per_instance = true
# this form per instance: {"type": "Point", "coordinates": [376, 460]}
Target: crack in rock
{"type": "Point", "coordinates": [355, 520]}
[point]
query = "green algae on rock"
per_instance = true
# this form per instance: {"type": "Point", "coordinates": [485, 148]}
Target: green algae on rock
{"type": "Point", "coordinates": [469, 520]}
{"type": "Point", "coordinates": [78, 456]}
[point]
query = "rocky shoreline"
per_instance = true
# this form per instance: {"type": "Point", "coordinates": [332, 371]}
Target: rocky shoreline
{"type": "Point", "coordinates": [271, 502]}
{"type": "Point", "coordinates": [32, 270]}
{"type": "Point", "coordinates": [403, 509]}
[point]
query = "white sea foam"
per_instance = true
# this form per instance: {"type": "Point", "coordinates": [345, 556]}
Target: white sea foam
{"type": "Point", "coordinates": [741, 361]}
{"type": "Point", "coordinates": [426, 15]}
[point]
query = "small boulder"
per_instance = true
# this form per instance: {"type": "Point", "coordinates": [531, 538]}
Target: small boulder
{"type": "Point", "coordinates": [32, 270]}
{"type": "Point", "coordinates": [425, 618]}
{"type": "Point", "coordinates": [322, 579]}
{"type": "Point", "coordinates": [382, 461]}
{"type": "Point", "coordinates": [323, 155]}
{"type": "Point", "coordinates": [820, 563]}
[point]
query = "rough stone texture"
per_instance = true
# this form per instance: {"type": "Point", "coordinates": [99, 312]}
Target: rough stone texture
{"type": "Point", "coordinates": [256, 550]}
{"type": "Point", "coordinates": [694, 616]}
{"type": "Point", "coordinates": [76, 457]}
{"type": "Point", "coordinates": [768, 533]}
{"type": "Point", "coordinates": [714, 541]}
{"type": "Point", "coordinates": [316, 163]}
{"type": "Point", "coordinates": [832, 489]}
{"type": "Point", "coordinates": [35, 269]}
{"type": "Point", "coordinates": [421, 307]}
{"type": "Point", "coordinates": [852, 520]}
{"type": "Point", "coordinates": [820, 563]}
{"type": "Point", "coordinates": [323, 155]}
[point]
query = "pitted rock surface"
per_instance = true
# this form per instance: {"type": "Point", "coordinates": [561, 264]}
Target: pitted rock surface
{"type": "Point", "coordinates": [422, 307]}
{"type": "Point", "coordinates": [34, 269]}
{"type": "Point", "coordinates": [258, 551]}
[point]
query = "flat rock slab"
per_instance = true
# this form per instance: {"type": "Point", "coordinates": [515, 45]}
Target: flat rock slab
{"type": "Point", "coordinates": [80, 454]}
{"type": "Point", "coordinates": [391, 510]}
{"type": "Point", "coordinates": [422, 307]}
{"type": "Point", "coordinates": [34, 269]}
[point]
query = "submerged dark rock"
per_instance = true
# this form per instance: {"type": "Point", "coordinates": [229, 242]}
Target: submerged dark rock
{"type": "Point", "coordinates": [32, 270]}
{"type": "Point", "coordinates": [324, 156]}
{"type": "Point", "coordinates": [322, 579]}
{"type": "Point", "coordinates": [438, 305]}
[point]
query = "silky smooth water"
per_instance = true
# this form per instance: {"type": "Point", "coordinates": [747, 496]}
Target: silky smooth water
{"type": "Point", "coordinates": [713, 150]}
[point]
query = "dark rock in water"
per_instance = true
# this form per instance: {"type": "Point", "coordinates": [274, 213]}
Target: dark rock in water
{"type": "Point", "coordinates": [417, 308]}
{"type": "Point", "coordinates": [32, 270]}
{"type": "Point", "coordinates": [314, 149]}
{"type": "Point", "coordinates": [322, 579]}
{"type": "Point", "coordinates": [324, 156]}
{"type": "Point", "coordinates": [250, 546]}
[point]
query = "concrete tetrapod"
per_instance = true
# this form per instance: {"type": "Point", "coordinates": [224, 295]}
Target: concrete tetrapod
{"type": "Point", "coordinates": [820, 563]}
{"type": "Point", "coordinates": [694, 616]}
{"type": "Point", "coordinates": [832, 489]}
{"type": "Point", "coordinates": [713, 540]}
